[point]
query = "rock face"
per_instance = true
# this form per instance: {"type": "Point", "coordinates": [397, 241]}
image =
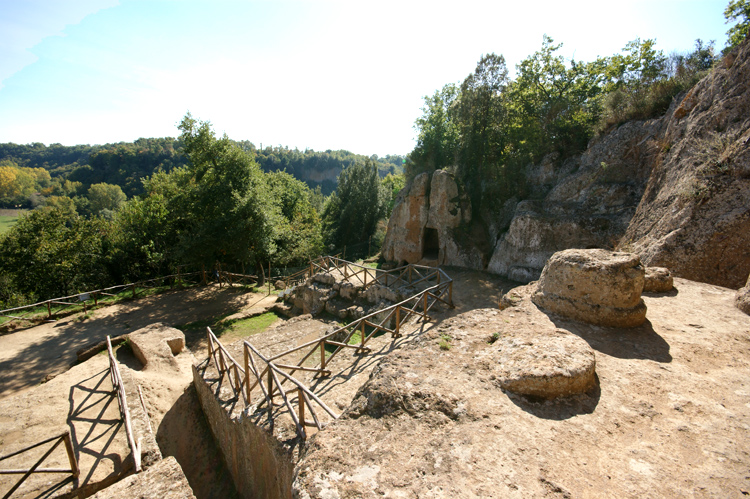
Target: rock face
{"type": "Point", "coordinates": [675, 190]}
{"type": "Point", "coordinates": [694, 217]}
{"type": "Point", "coordinates": [429, 222]}
{"type": "Point", "coordinates": [658, 280]}
{"type": "Point", "coordinates": [589, 205]}
{"type": "Point", "coordinates": [743, 298]}
{"type": "Point", "coordinates": [594, 286]}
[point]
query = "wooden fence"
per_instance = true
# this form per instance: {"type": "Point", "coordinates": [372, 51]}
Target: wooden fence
{"type": "Point", "coordinates": [55, 441]}
{"type": "Point", "coordinates": [45, 311]}
{"type": "Point", "coordinates": [264, 372]}
{"type": "Point", "coordinates": [119, 387]}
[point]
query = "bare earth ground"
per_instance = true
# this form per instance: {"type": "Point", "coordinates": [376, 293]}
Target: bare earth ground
{"type": "Point", "coordinates": [81, 400]}
{"type": "Point", "coordinates": [28, 356]}
{"type": "Point", "coordinates": [668, 417]}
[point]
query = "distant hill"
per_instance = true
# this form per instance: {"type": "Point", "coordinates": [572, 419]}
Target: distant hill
{"type": "Point", "coordinates": [126, 163]}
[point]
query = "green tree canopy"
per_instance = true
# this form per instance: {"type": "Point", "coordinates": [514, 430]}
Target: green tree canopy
{"type": "Point", "coordinates": [737, 10]}
{"type": "Point", "coordinates": [351, 214]}
{"type": "Point", "coordinates": [105, 196]}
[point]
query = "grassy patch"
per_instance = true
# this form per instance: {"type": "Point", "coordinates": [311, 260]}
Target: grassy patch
{"type": "Point", "coordinates": [6, 222]}
{"type": "Point", "coordinates": [445, 342]}
{"type": "Point", "coordinates": [232, 330]}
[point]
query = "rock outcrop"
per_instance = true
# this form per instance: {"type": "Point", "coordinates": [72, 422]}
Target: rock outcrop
{"type": "Point", "coordinates": [595, 286]}
{"type": "Point", "coordinates": [694, 217]}
{"type": "Point", "coordinates": [675, 190]}
{"type": "Point", "coordinates": [546, 363]}
{"type": "Point", "coordinates": [430, 222]}
{"type": "Point", "coordinates": [743, 298]}
{"type": "Point", "coordinates": [589, 206]}
{"type": "Point", "coordinates": [156, 345]}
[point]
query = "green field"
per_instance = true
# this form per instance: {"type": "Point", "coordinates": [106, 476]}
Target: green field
{"type": "Point", "coordinates": [8, 218]}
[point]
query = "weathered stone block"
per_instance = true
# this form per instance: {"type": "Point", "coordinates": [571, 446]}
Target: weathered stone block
{"type": "Point", "coordinates": [595, 286]}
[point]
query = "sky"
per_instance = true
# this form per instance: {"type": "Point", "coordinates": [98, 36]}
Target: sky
{"type": "Point", "coordinates": [307, 74]}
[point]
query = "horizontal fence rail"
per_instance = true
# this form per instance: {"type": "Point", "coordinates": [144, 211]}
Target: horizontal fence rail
{"type": "Point", "coordinates": [27, 472]}
{"type": "Point", "coordinates": [45, 311]}
{"type": "Point", "coordinates": [271, 373]}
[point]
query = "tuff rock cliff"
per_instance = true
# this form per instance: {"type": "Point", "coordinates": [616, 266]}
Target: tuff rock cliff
{"type": "Point", "coordinates": [675, 190]}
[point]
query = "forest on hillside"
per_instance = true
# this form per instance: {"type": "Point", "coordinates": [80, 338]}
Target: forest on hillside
{"type": "Point", "coordinates": [130, 211]}
{"type": "Point", "coordinates": [32, 173]}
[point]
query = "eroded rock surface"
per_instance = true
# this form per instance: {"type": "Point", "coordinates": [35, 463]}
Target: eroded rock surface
{"type": "Point", "coordinates": [594, 286]}
{"type": "Point", "coordinates": [156, 345]}
{"type": "Point", "coordinates": [694, 217]}
{"type": "Point", "coordinates": [164, 480]}
{"type": "Point", "coordinates": [743, 298]}
{"type": "Point", "coordinates": [658, 280]}
{"type": "Point", "coordinates": [430, 222]}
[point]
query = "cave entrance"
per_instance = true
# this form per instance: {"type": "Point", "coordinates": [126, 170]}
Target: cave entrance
{"type": "Point", "coordinates": [431, 244]}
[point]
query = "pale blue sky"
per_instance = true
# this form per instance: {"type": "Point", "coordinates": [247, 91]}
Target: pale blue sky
{"type": "Point", "coordinates": [318, 74]}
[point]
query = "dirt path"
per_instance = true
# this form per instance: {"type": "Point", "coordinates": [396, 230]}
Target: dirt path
{"type": "Point", "coordinates": [30, 355]}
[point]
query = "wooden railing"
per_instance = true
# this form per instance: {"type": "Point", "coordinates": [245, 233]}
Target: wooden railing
{"type": "Point", "coordinates": [240, 381]}
{"type": "Point", "coordinates": [63, 437]}
{"type": "Point", "coordinates": [265, 373]}
{"type": "Point", "coordinates": [46, 310]}
{"type": "Point", "coordinates": [119, 387]}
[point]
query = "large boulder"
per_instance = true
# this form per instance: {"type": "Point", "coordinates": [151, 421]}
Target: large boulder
{"type": "Point", "coordinates": [743, 298]}
{"type": "Point", "coordinates": [156, 345]}
{"type": "Point", "coordinates": [547, 363]}
{"type": "Point", "coordinates": [595, 286]}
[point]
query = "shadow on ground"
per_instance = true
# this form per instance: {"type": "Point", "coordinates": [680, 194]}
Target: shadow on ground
{"type": "Point", "coordinates": [51, 348]}
{"type": "Point", "coordinates": [640, 342]}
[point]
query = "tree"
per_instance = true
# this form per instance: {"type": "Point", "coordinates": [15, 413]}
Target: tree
{"type": "Point", "coordinates": [225, 200]}
{"type": "Point", "coordinates": [552, 104]}
{"type": "Point", "coordinates": [437, 142]}
{"type": "Point", "coordinates": [49, 254]}
{"type": "Point", "coordinates": [105, 196]}
{"type": "Point", "coordinates": [297, 227]}
{"type": "Point", "coordinates": [351, 214]}
{"type": "Point", "coordinates": [481, 114]}
{"type": "Point", "coordinates": [737, 9]}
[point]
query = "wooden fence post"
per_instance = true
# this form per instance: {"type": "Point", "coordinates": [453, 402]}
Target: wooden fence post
{"type": "Point", "coordinates": [49, 311]}
{"type": "Point", "coordinates": [301, 401]}
{"type": "Point", "coordinates": [248, 397]}
{"type": "Point", "coordinates": [362, 333]}
{"type": "Point", "coordinates": [133, 286]}
{"type": "Point", "coordinates": [203, 274]}
{"type": "Point", "coordinates": [323, 354]}
{"type": "Point", "coordinates": [398, 320]}
{"type": "Point", "coordinates": [71, 455]}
